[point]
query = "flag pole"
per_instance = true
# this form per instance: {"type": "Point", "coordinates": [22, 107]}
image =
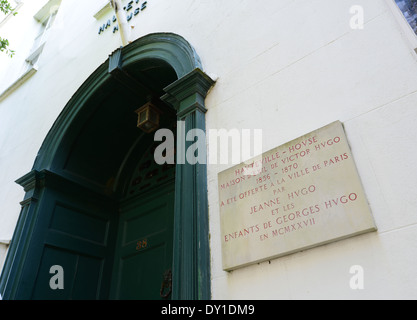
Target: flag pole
{"type": "Point", "coordinates": [122, 21]}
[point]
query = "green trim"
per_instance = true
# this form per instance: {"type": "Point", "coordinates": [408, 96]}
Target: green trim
{"type": "Point", "coordinates": [188, 93]}
{"type": "Point", "coordinates": [14, 264]}
{"type": "Point", "coordinates": [191, 270]}
{"type": "Point", "coordinates": [171, 48]}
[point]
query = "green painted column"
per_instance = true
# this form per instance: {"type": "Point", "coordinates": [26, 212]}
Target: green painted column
{"type": "Point", "coordinates": [10, 282]}
{"type": "Point", "coordinates": [191, 265]}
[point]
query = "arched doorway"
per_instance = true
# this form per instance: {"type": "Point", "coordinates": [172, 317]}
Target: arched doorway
{"type": "Point", "coordinates": [95, 203]}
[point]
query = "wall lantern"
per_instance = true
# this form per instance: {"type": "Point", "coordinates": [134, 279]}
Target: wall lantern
{"type": "Point", "coordinates": [148, 117]}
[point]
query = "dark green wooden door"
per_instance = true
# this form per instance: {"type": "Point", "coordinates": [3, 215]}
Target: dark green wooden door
{"type": "Point", "coordinates": [144, 246]}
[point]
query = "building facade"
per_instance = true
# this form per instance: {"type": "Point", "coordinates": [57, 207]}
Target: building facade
{"type": "Point", "coordinates": [88, 213]}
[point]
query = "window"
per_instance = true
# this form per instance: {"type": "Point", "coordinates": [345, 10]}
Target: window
{"type": "Point", "coordinates": [46, 19]}
{"type": "Point", "coordinates": [409, 10]}
{"type": "Point", "coordinates": [15, 5]}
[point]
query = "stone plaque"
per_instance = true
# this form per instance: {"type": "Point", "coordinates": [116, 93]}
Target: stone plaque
{"type": "Point", "coordinates": [302, 194]}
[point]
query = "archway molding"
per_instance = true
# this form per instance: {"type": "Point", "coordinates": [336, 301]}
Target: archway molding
{"type": "Point", "coordinates": [191, 265]}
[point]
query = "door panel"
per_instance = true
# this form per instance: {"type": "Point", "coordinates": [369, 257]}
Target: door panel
{"type": "Point", "coordinates": [144, 246]}
{"type": "Point", "coordinates": [77, 232]}
{"type": "Point", "coordinates": [81, 275]}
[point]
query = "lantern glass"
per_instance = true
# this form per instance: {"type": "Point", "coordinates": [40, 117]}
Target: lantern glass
{"type": "Point", "coordinates": [148, 117]}
{"type": "Point", "coordinates": [143, 116]}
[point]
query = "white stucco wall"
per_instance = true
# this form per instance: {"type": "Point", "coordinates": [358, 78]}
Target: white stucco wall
{"type": "Point", "coordinates": [286, 67]}
{"type": "Point", "coordinates": [308, 68]}
{"type": "Point", "coordinates": [4, 246]}
{"type": "Point", "coordinates": [16, 148]}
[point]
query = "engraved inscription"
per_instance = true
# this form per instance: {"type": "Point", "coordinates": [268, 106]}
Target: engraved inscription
{"type": "Point", "coordinates": [306, 193]}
